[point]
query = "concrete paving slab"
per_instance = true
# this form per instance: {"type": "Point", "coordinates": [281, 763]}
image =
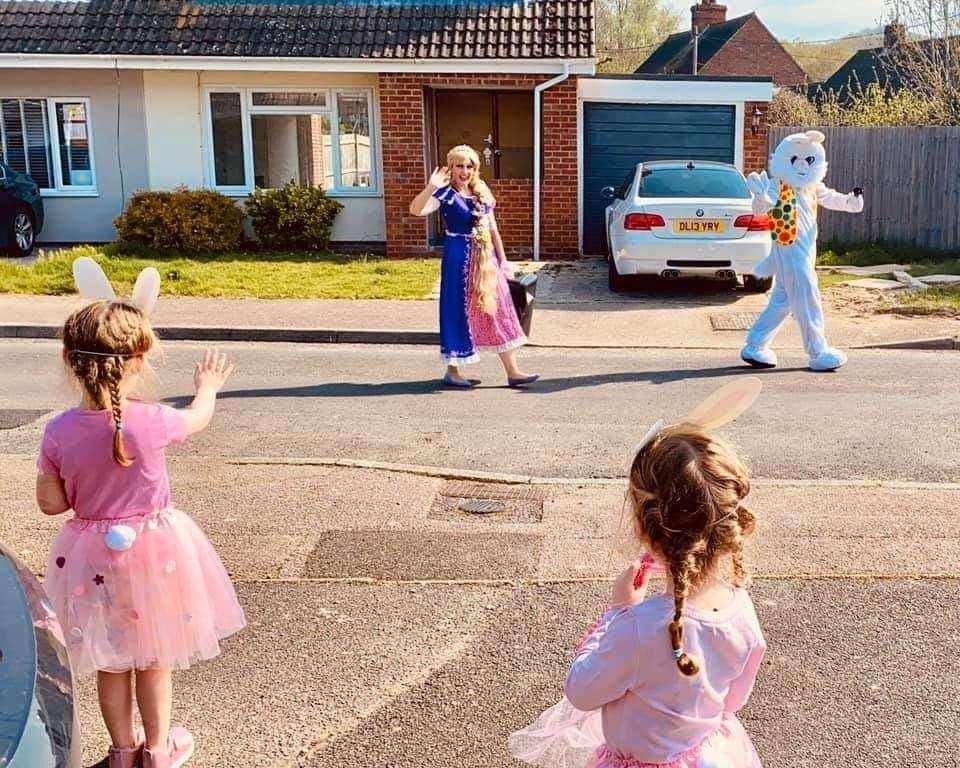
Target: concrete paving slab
{"type": "Point", "coordinates": [878, 269]}
{"type": "Point", "coordinates": [941, 279]}
{"type": "Point", "coordinates": [848, 679]}
{"type": "Point", "coordinates": [876, 284]}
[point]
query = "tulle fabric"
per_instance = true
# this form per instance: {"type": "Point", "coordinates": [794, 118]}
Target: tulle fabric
{"type": "Point", "coordinates": [165, 602]}
{"type": "Point", "coordinates": [566, 737]}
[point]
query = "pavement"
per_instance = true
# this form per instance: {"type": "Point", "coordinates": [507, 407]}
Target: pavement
{"type": "Point", "coordinates": [574, 309]}
{"type": "Point", "coordinates": [388, 628]}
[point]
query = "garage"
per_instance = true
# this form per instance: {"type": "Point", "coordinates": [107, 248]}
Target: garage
{"type": "Point", "coordinates": [629, 120]}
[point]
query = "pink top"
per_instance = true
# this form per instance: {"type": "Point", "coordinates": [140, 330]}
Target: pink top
{"type": "Point", "coordinates": [78, 447]}
{"type": "Point", "coordinates": [651, 711]}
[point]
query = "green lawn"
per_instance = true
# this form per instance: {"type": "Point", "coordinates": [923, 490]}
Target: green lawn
{"type": "Point", "coordinates": [234, 275]}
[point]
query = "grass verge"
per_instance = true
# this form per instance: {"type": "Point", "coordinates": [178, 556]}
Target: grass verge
{"type": "Point", "coordinates": [233, 275]}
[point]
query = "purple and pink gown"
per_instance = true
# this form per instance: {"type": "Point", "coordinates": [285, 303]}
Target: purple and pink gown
{"type": "Point", "coordinates": [133, 580]}
{"type": "Point", "coordinates": [627, 705]}
{"type": "Point", "coordinates": [464, 328]}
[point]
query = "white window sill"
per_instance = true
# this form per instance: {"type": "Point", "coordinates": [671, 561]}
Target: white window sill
{"type": "Point", "coordinates": [238, 193]}
{"type": "Point", "coordinates": [69, 193]}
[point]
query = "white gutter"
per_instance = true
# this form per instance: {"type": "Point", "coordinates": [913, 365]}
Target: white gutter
{"type": "Point", "coordinates": [536, 154]}
{"type": "Point", "coordinates": [291, 64]}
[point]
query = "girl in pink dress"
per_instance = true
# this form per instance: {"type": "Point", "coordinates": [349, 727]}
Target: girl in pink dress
{"type": "Point", "coordinates": [137, 587]}
{"type": "Point", "coordinates": [657, 681]}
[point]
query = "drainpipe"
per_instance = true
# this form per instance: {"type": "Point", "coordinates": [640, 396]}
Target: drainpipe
{"type": "Point", "coordinates": [536, 154]}
{"type": "Point", "coordinates": [696, 46]}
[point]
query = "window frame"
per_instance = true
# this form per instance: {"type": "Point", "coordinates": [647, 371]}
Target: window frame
{"type": "Point", "coordinates": [248, 110]}
{"type": "Point", "coordinates": [53, 137]}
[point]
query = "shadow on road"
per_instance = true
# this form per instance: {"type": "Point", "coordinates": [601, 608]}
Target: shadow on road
{"type": "Point", "coordinates": [545, 386]}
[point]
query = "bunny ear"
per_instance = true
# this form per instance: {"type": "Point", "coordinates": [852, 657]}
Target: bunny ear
{"type": "Point", "coordinates": [815, 136]}
{"type": "Point", "coordinates": [728, 402]}
{"type": "Point", "coordinates": [90, 280]}
{"type": "Point", "coordinates": [655, 430]}
{"type": "Point", "coordinates": [146, 290]}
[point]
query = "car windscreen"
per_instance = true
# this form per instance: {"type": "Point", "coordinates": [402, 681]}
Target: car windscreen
{"type": "Point", "coordinates": [692, 182]}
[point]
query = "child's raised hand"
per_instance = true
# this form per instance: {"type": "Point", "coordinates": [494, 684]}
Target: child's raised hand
{"type": "Point", "coordinates": [631, 586]}
{"type": "Point", "coordinates": [212, 371]}
{"type": "Point", "coordinates": [440, 178]}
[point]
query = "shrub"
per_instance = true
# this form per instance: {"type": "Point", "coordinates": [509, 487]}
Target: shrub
{"type": "Point", "coordinates": [192, 220]}
{"type": "Point", "coordinates": [295, 217]}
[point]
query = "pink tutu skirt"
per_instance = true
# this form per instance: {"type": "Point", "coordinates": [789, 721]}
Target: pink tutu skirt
{"type": "Point", "coordinates": [566, 737]}
{"type": "Point", "coordinates": [140, 592]}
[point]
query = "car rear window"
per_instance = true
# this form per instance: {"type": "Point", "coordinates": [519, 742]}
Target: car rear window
{"type": "Point", "coordinates": [696, 182]}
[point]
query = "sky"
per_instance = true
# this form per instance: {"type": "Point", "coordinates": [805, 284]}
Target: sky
{"type": "Point", "coordinates": [805, 19]}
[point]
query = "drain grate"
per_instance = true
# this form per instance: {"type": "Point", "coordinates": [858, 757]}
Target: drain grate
{"type": "Point", "coordinates": [11, 418]}
{"type": "Point", "coordinates": [733, 321]}
{"type": "Point", "coordinates": [459, 500]}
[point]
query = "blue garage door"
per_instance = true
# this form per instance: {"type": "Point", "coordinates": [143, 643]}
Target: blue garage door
{"type": "Point", "coordinates": [618, 136]}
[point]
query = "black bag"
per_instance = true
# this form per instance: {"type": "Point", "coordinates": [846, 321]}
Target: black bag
{"type": "Point", "coordinates": [523, 289]}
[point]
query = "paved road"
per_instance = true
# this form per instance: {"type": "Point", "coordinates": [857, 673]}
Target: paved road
{"type": "Point", "coordinates": [888, 415]}
{"type": "Point", "coordinates": [387, 630]}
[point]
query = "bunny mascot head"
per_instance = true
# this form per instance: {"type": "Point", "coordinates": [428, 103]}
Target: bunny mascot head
{"type": "Point", "coordinates": [791, 195]}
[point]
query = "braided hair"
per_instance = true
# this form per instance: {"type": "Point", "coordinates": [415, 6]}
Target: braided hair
{"type": "Point", "coordinates": [686, 489]}
{"type": "Point", "coordinates": [99, 341]}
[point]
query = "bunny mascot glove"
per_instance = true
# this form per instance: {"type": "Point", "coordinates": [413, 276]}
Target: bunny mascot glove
{"type": "Point", "coordinates": [791, 195]}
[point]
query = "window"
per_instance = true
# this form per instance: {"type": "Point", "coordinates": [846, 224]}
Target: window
{"type": "Point", "coordinates": [268, 138]}
{"type": "Point", "coordinates": [692, 182]}
{"type": "Point", "coordinates": [49, 140]}
{"type": "Point", "coordinates": [501, 121]}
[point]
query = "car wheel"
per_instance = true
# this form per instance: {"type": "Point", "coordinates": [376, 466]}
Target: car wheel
{"type": "Point", "coordinates": [616, 282]}
{"type": "Point", "coordinates": [22, 236]}
{"type": "Point", "coordinates": [756, 284]}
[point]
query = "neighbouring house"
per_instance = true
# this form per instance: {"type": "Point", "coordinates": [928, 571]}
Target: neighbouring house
{"type": "Point", "coordinates": [880, 66]}
{"type": "Point", "coordinates": [101, 98]}
{"type": "Point", "coordinates": [715, 45]}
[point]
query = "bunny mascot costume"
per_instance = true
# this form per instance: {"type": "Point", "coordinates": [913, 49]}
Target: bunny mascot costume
{"type": "Point", "coordinates": [791, 195]}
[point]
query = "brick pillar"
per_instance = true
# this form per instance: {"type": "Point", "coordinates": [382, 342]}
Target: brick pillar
{"type": "Point", "coordinates": [756, 152]}
{"type": "Point", "coordinates": [558, 208]}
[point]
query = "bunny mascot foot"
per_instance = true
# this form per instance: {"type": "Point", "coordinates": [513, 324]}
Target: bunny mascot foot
{"type": "Point", "coordinates": [828, 360]}
{"type": "Point", "coordinates": [791, 196]}
{"type": "Point", "coordinates": [758, 358]}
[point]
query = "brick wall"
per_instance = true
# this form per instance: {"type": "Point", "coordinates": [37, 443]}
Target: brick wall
{"type": "Point", "coordinates": [402, 112]}
{"type": "Point", "coordinates": [755, 151]}
{"type": "Point", "coordinates": [753, 50]}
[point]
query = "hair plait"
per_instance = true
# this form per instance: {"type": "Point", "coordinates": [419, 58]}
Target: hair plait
{"type": "Point", "coordinates": [97, 340]}
{"type": "Point", "coordinates": [686, 489]}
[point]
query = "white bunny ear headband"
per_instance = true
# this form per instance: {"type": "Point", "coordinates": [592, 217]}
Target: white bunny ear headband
{"type": "Point", "coordinates": [93, 284]}
{"type": "Point", "coordinates": [719, 408]}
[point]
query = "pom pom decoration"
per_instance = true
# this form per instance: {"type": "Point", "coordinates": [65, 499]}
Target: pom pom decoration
{"type": "Point", "coordinates": [120, 538]}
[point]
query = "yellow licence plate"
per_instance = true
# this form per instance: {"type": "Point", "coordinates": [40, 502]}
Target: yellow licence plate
{"type": "Point", "coordinates": [699, 226]}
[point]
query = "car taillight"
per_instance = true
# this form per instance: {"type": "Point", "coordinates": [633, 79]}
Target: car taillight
{"type": "Point", "coordinates": [754, 222]}
{"type": "Point", "coordinates": [645, 221]}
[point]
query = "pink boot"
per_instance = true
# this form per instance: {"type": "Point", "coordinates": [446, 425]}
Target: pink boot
{"type": "Point", "coordinates": [124, 757]}
{"type": "Point", "coordinates": [178, 752]}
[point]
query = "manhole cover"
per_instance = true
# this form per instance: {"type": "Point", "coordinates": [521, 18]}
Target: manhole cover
{"type": "Point", "coordinates": [11, 418]}
{"type": "Point", "coordinates": [733, 321]}
{"type": "Point", "coordinates": [461, 500]}
{"type": "Point", "coordinates": [482, 506]}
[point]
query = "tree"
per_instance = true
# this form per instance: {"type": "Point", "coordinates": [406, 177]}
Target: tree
{"type": "Point", "coordinates": [629, 30]}
{"type": "Point", "coordinates": [925, 61]}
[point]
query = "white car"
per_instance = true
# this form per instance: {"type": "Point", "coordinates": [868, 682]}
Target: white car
{"type": "Point", "coordinates": [676, 218]}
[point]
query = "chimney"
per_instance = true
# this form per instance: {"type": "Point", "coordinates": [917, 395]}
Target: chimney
{"type": "Point", "coordinates": [894, 34]}
{"type": "Point", "coordinates": [707, 13]}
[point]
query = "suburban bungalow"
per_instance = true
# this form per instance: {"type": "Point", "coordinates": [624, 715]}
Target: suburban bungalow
{"type": "Point", "coordinates": [101, 98]}
{"type": "Point", "coordinates": [715, 45]}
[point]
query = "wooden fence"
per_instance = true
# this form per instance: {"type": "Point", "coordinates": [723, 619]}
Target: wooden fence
{"type": "Point", "coordinates": [911, 182]}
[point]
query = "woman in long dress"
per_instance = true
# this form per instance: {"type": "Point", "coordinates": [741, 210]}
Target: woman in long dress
{"type": "Point", "coordinates": [476, 311]}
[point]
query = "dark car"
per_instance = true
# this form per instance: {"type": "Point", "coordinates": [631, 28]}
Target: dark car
{"type": "Point", "coordinates": [38, 720]}
{"type": "Point", "coordinates": [21, 212]}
